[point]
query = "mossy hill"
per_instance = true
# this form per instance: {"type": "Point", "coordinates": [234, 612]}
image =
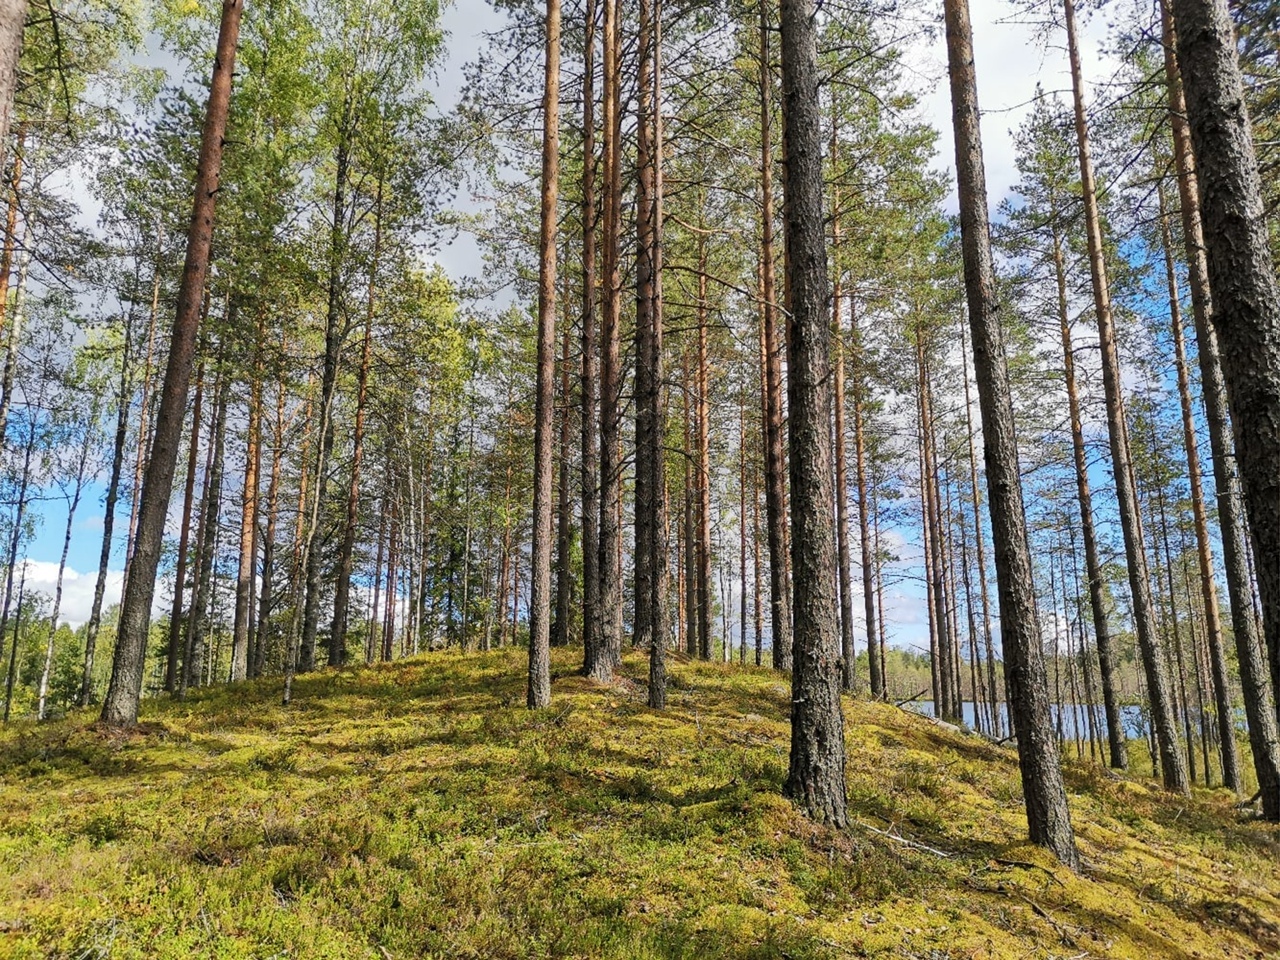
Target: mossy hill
{"type": "Point", "coordinates": [418, 810]}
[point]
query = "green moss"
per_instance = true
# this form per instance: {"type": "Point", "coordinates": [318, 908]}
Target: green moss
{"type": "Point", "coordinates": [417, 810]}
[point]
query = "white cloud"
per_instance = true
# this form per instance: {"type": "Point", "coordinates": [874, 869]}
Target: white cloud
{"type": "Point", "coordinates": [77, 589]}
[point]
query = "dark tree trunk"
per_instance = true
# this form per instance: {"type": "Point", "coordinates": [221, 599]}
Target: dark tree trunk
{"type": "Point", "coordinates": [592, 624]}
{"type": "Point", "coordinates": [603, 657]}
{"type": "Point", "coordinates": [1258, 691]}
{"type": "Point", "coordinates": [125, 690]}
{"type": "Point", "coordinates": [1043, 789]}
{"type": "Point", "coordinates": [816, 779]}
{"type": "Point", "coordinates": [652, 625]}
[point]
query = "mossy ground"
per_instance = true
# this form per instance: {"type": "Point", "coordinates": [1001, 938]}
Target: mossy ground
{"type": "Point", "coordinates": [418, 810]}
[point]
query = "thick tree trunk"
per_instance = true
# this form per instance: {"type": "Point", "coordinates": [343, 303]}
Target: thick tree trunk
{"type": "Point", "coordinates": [125, 690]}
{"type": "Point", "coordinates": [1172, 760]}
{"type": "Point", "coordinates": [816, 779]}
{"type": "Point", "coordinates": [1264, 739]}
{"type": "Point", "coordinates": [1048, 819]}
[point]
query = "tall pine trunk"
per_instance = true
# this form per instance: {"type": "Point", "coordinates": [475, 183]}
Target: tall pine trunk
{"type": "Point", "coordinates": [539, 692]}
{"type": "Point", "coordinates": [125, 691]}
{"type": "Point", "coordinates": [1258, 691]}
{"type": "Point", "coordinates": [1048, 820]}
{"type": "Point", "coordinates": [816, 778]}
{"type": "Point", "coordinates": [173, 655]}
{"type": "Point", "coordinates": [775, 495]}
{"type": "Point", "coordinates": [1173, 761]}
{"type": "Point", "coordinates": [1117, 751]}
{"type": "Point", "coordinates": [603, 657]}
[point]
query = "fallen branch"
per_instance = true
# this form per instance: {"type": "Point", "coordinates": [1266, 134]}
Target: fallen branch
{"type": "Point", "coordinates": [914, 845]}
{"type": "Point", "coordinates": [903, 703]}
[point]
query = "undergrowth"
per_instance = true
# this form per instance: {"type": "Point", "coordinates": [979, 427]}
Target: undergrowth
{"type": "Point", "coordinates": [418, 810]}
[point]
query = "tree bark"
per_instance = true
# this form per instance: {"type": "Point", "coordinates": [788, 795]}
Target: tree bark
{"type": "Point", "coordinates": [864, 509]}
{"type": "Point", "coordinates": [1118, 753]}
{"type": "Point", "coordinates": [1048, 819]}
{"type": "Point", "coordinates": [125, 691]}
{"type": "Point", "coordinates": [603, 658]}
{"type": "Point", "coordinates": [1264, 738]}
{"type": "Point", "coordinates": [816, 779]}
{"type": "Point", "coordinates": [173, 657]}
{"type": "Point", "coordinates": [775, 496]}
{"type": "Point", "coordinates": [1172, 760]}
{"type": "Point", "coordinates": [539, 692]}
{"type": "Point", "coordinates": [243, 623]}
{"type": "Point", "coordinates": [1230, 754]}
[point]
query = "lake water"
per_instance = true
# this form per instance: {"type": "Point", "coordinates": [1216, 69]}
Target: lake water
{"type": "Point", "coordinates": [1133, 717]}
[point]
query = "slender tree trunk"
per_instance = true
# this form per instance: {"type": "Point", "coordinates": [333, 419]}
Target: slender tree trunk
{"type": "Point", "coordinates": [12, 674]}
{"type": "Point", "coordinates": [1173, 761]}
{"type": "Point", "coordinates": [1204, 551]}
{"type": "Point", "coordinates": [1048, 819]}
{"type": "Point", "coordinates": [73, 505]}
{"type": "Point", "coordinates": [848, 658]}
{"type": "Point", "coordinates": [125, 690]}
{"type": "Point", "coordinates": [346, 552]}
{"type": "Point", "coordinates": [702, 469]}
{"type": "Point", "coordinates": [265, 595]}
{"type": "Point", "coordinates": [539, 693]}
{"type": "Point", "coordinates": [816, 779]}
{"type": "Point", "coordinates": [174, 653]}
{"type": "Point", "coordinates": [592, 615]}
{"type": "Point", "coordinates": [603, 659]}
{"type": "Point", "coordinates": [775, 458]}
{"type": "Point", "coordinates": [21, 502]}
{"type": "Point", "coordinates": [248, 522]}
{"type": "Point", "coordinates": [207, 537]}
{"type": "Point", "coordinates": [1093, 565]}
{"type": "Point", "coordinates": [980, 543]}
{"type": "Point", "coordinates": [864, 504]}
{"type": "Point", "coordinates": [564, 519]}
{"type": "Point", "coordinates": [144, 404]}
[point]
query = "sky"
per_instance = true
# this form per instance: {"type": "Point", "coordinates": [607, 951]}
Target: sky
{"type": "Point", "coordinates": [1011, 61]}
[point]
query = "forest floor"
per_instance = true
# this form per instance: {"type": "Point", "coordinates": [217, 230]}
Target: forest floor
{"type": "Point", "coordinates": [419, 810]}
